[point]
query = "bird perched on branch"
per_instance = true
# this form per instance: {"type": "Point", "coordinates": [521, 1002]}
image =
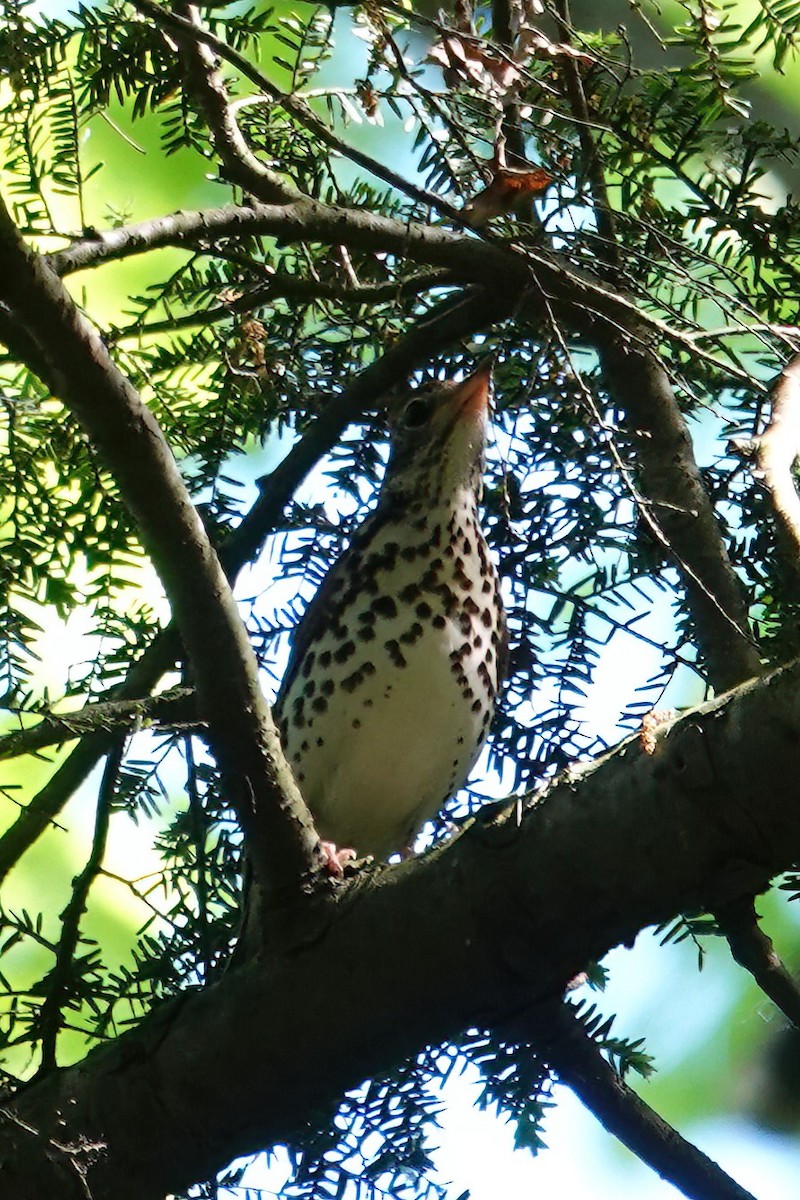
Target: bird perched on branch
{"type": "Point", "coordinates": [394, 669]}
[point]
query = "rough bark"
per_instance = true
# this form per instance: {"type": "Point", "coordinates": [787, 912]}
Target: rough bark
{"type": "Point", "coordinates": [406, 955]}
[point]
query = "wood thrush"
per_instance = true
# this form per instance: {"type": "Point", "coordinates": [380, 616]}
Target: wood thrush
{"type": "Point", "coordinates": [394, 669]}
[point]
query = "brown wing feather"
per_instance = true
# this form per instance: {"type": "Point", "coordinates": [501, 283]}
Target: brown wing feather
{"type": "Point", "coordinates": [315, 617]}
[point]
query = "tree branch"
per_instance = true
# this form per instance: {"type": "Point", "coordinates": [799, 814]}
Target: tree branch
{"type": "Point", "coordinates": [774, 455]}
{"type": "Point", "coordinates": [549, 282]}
{"type": "Point", "coordinates": [205, 82]}
{"type": "Point", "coordinates": [604, 213]}
{"type": "Point", "coordinates": [469, 934]}
{"type": "Point", "coordinates": [305, 220]}
{"type": "Point", "coordinates": [56, 985]}
{"type": "Point", "coordinates": [670, 480]}
{"type": "Point", "coordinates": [296, 108]}
{"type": "Point", "coordinates": [579, 1063]}
{"type": "Point", "coordinates": [753, 950]}
{"type": "Point", "coordinates": [169, 709]}
{"type": "Point", "coordinates": [295, 287]}
{"type": "Point", "coordinates": [245, 743]}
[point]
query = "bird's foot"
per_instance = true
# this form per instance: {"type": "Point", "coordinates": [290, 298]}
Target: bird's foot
{"type": "Point", "coordinates": [577, 981]}
{"type": "Point", "coordinates": [335, 859]}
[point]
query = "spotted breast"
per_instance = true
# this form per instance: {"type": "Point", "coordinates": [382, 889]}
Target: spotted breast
{"type": "Point", "coordinates": [394, 670]}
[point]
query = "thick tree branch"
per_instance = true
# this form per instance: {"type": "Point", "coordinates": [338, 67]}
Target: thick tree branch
{"type": "Point", "coordinates": [549, 282]}
{"type": "Point", "coordinates": [245, 743]}
{"type": "Point", "coordinates": [469, 934]}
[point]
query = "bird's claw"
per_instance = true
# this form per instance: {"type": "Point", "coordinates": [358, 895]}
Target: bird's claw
{"type": "Point", "coordinates": [335, 859]}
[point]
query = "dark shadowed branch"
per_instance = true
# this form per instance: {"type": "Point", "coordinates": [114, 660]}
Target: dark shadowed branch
{"type": "Point", "coordinates": [579, 1063]}
{"type": "Point", "coordinates": [294, 287]}
{"type": "Point", "coordinates": [58, 984]}
{"type": "Point", "coordinates": [754, 951]}
{"type": "Point", "coordinates": [489, 924]}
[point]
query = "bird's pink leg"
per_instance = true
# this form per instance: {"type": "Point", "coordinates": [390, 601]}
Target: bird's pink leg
{"type": "Point", "coordinates": [335, 859]}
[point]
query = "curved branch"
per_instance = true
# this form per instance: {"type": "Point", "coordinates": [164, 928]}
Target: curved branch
{"type": "Point", "coordinates": [297, 108]}
{"type": "Point", "coordinates": [547, 279]}
{"type": "Point", "coordinates": [773, 457]}
{"type": "Point", "coordinates": [205, 82]}
{"type": "Point", "coordinates": [245, 743]}
{"type": "Point", "coordinates": [670, 480]}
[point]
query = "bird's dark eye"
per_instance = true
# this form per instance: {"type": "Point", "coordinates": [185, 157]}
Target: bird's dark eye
{"type": "Point", "coordinates": [417, 412]}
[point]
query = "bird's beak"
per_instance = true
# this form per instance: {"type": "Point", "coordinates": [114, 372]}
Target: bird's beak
{"type": "Point", "coordinates": [473, 395]}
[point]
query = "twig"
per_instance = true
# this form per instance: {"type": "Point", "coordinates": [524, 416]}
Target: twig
{"type": "Point", "coordinates": [790, 334]}
{"type": "Point", "coordinates": [177, 707]}
{"type": "Point", "coordinates": [199, 831]}
{"type": "Point", "coordinates": [57, 984]}
{"type": "Point", "coordinates": [439, 110]}
{"type": "Point", "coordinates": [48, 802]}
{"type": "Point", "coordinates": [604, 213]}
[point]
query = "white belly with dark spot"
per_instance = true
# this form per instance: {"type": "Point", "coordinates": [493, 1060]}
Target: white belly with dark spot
{"type": "Point", "coordinates": [379, 740]}
{"type": "Point", "coordinates": [393, 750]}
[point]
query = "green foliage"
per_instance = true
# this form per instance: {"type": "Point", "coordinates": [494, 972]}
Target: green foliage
{"type": "Point", "coordinates": [235, 341]}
